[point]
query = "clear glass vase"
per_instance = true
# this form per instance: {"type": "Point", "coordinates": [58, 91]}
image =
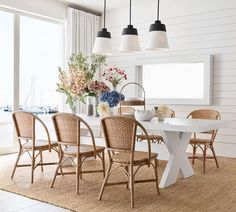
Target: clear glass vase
{"type": "Point", "coordinates": [95, 106]}
{"type": "Point", "coordinates": [73, 107]}
{"type": "Point", "coordinates": [89, 106]}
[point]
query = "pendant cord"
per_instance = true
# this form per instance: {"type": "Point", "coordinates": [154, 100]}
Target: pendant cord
{"type": "Point", "coordinates": [129, 12]}
{"type": "Point", "coordinates": [104, 15]}
{"type": "Point", "coordinates": [158, 10]}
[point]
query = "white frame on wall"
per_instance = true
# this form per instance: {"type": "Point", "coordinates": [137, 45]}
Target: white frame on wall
{"type": "Point", "coordinates": [207, 60]}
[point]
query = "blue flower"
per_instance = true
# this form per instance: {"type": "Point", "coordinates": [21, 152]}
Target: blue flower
{"type": "Point", "coordinates": [112, 98]}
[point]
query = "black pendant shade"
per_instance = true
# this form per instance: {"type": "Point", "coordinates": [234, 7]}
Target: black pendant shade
{"type": "Point", "coordinates": [157, 26]}
{"type": "Point", "coordinates": [130, 30]}
{"type": "Point", "coordinates": [104, 33]}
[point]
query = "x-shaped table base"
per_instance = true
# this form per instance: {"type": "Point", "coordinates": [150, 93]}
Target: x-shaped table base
{"type": "Point", "coordinates": [178, 162]}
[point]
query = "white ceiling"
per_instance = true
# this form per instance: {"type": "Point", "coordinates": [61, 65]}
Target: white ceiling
{"type": "Point", "coordinates": [97, 5]}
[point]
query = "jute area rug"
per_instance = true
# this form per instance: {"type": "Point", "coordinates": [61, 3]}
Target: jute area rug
{"type": "Point", "coordinates": [213, 191]}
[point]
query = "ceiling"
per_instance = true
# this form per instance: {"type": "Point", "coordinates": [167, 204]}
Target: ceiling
{"type": "Point", "coordinates": [97, 5]}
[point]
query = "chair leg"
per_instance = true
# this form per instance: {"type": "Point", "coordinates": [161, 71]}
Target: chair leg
{"type": "Point", "coordinates": [105, 181]}
{"type": "Point", "coordinates": [58, 166]}
{"type": "Point", "coordinates": [78, 174]}
{"type": "Point", "coordinates": [32, 166]}
{"type": "Point", "coordinates": [194, 153]}
{"type": "Point", "coordinates": [17, 160]}
{"type": "Point", "coordinates": [57, 150]}
{"type": "Point", "coordinates": [41, 160]}
{"type": "Point", "coordinates": [132, 185]}
{"type": "Point", "coordinates": [204, 159]}
{"type": "Point", "coordinates": [127, 170]}
{"type": "Point", "coordinates": [214, 154]}
{"type": "Point", "coordinates": [103, 163]}
{"type": "Point", "coordinates": [156, 175]}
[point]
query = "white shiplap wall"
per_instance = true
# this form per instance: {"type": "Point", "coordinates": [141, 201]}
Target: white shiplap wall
{"type": "Point", "coordinates": [208, 27]}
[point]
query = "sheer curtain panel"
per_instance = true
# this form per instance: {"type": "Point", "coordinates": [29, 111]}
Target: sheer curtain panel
{"type": "Point", "coordinates": [82, 28]}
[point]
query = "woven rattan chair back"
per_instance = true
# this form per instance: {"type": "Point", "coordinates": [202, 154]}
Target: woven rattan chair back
{"type": "Point", "coordinates": [25, 124]}
{"type": "Point", "coordinates": [206, 114]}
{"type": "Point", "coordinates": [119, 133]}
{"type": "Point", "coordinates": [67, 128]}
{"type": "Point", "coordinates": [126, 110]}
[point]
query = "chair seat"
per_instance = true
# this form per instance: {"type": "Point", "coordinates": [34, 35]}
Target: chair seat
{"type": "Point", "coordinates": [85, 150]}
{"type": "Point", "coordinates": [151, 137]}
{"type": "Point", "coordinates": [139, 157]}
{"type": "Point", "coordinates": [39, 144]}
{"type": "Point", "coordinates": [200, 141]}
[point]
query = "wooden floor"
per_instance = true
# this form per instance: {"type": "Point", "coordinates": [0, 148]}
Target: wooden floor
{"type": "Point", "coordinates": [214, 191]}
{"type": "Point", "coordinates": [10, 202]}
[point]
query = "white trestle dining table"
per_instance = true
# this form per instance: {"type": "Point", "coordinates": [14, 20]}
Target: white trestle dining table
{"type": "Point", "coordinates": [176, 133]}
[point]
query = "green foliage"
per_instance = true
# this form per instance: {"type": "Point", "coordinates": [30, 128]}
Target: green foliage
{"type": "Point", "coordinates": [90, 65]}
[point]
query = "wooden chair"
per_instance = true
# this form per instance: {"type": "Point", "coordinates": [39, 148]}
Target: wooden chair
{"type": "Point", "coordinates": [120, 133]}
{"type": "Point", "coordinates": [24, 123]}
{"type": "Point", "coordinates": [204, 143]}
{"type": "Point", "coordinates": [154, 138]}
{"type": "Point", "coordinates": [67, 127]}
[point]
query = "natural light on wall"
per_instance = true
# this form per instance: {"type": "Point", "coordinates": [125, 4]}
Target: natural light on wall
{"type": "Point", "coordinates": [177, 83]}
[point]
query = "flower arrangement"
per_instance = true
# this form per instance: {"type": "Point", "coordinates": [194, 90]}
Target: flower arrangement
{"type": "Point", "coordinates": [162, 111]}
{"type": "Point", "coordinates": [104, 109]}
{"type": "Point", "coordinates": [95, 88]}
{"type": "Point", "coordinates": [75, 81]}
{"type": "Point", "coordinates": [114, 75]}
{"type": "Point", "coordinates": [89, 65]}
{"type": "Point", "coordinates": [112, 98]}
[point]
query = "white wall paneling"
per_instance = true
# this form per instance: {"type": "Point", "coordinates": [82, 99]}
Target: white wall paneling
{"type": "Point", "coordinates": [194, 28]}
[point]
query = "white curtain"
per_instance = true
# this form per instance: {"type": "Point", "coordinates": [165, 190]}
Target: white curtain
{"type": "Point", "coordinates": [82, 28]}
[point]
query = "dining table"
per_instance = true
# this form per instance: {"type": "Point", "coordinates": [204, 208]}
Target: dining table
{"type": "Point", "coordinates": [176, 133]}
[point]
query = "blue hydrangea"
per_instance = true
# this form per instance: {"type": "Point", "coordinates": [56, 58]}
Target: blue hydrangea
{"type": "Point", "coordinates": [112, 98]}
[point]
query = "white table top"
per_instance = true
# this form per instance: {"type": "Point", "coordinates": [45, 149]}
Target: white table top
{"type": "Point", "coordinates": [170, 124]}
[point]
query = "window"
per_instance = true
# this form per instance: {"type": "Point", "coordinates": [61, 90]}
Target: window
{"type": "Point", "coordinates": [41, 52]}
{"type": "Point", "coordinates": [31, 50]}
{"type": "Point", "coordinates": [186, 82]}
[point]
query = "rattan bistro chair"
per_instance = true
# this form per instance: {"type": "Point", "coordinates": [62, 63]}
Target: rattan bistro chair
{"type": "Point", "coordinates": [204, 143]}
{"type": "Point", "coordinates": [120, 133]}
{"type": "Point", "coordinates": [24, 123]}
{"type": "Point", "coordinates": [154, 138]}
{"type": "Point", "coordinates": [67, 127]}
{"type": "Point", "coordinates": [123, 110]}
{"type": "Point", "coordinates": [126, 111]}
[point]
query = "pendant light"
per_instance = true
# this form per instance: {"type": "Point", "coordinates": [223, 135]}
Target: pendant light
{"type": "Point", "coordinates": [129, 39]}
{"type": "Point", "coordinates": [157, 34]}
{"type": "Point", "coordinates": [102, 43]}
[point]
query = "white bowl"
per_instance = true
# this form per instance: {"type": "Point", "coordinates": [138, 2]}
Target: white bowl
{"type": "Point", "coordinates": [144, 115]}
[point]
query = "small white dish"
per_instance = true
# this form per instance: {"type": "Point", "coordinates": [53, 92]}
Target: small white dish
{"type": "Point", "coordinates": [144, 115]}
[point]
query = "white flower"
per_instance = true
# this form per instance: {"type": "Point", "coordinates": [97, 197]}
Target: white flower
{"type": "Point", "coordinates": [104, 109]}
{"type": "Point", "coordinates": [163, 110]}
